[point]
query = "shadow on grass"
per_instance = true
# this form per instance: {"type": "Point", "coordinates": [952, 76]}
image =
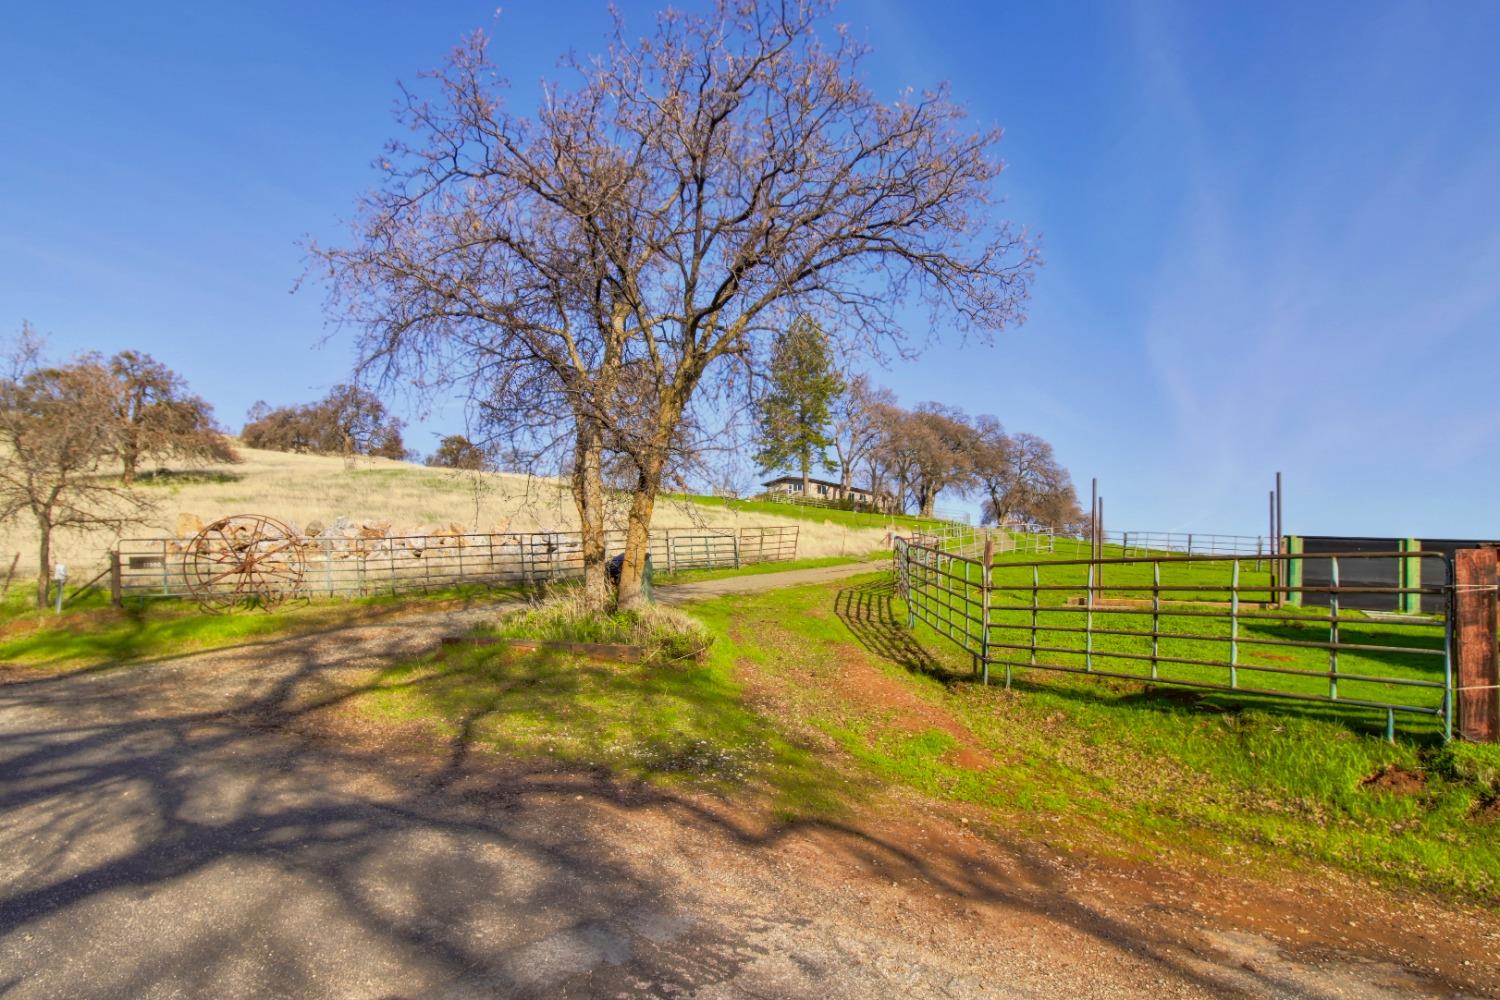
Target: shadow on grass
{"type": "Point", "coordinates": [187, 477]}
{"type": "Point", "coordinates": [301, 851]}
{"type": "Point", "coordinates": [138, 633]}
{"type": "Point", "coordinates": [868, 612]}
{"type": "Point", "coordinates": [876, 618]}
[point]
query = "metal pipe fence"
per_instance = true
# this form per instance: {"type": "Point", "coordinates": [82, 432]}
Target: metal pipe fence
{"type": "Point", "coordinates": [1138, 543]}
{"type": "Point", "coordinates": [963, 539]}
{"type": "Point", "coordinates": [1204, 622]}
{"type": "Point", "coordinates": [360, 566]}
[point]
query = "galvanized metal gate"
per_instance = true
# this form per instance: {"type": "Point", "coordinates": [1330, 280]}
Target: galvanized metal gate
{"type": "Point", "coordinates": [1213, 623]}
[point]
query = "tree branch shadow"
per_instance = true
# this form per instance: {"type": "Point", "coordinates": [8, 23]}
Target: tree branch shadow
{"type": "Point", "coordinates": [516, 877]}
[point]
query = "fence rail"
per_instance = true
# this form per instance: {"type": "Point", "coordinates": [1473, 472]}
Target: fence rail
{"type": "Point", "coordinates": [1205, 622]}
{"type": "Point", "coordinates": [1138, 543]}
{"type": "Point", "coordinates": [966, 540]}
{"type": "Point", "coordinates": [344, 566]}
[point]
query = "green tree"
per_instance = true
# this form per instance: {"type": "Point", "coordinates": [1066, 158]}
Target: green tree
{"type": "Point", "coordinates": [794, 417]}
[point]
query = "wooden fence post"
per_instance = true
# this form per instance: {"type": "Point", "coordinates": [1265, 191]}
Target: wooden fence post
{"type": "Point", "coordinates": [116, 598]}
{"type": "Point", "coordinates": [1474, 622]}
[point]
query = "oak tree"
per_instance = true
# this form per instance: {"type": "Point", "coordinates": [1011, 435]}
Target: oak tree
{"type": "Point", "coordinates": [856, 429]}
{"type": "Point", "coordinates": [155, 416]}
{"type": "Point", "coordinates": [1020, 478]}
{"type": "Point", "coordinates": [57, 435]}
{"type": "Point", "coordinates": [457, 452]}
{"type": "Point", "coordinates": [351, 420]}
{"type": "Point", "coordinates": [601, 265]}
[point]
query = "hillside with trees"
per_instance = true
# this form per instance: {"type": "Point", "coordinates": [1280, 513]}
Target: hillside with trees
{"type": "Point", "coordinates": [350, 420]}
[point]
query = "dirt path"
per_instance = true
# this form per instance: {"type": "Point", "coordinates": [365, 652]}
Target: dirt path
{"type": "Point", "coordinates": [684, 593]}
{"type": "Point", "coordinates": [213, 825]}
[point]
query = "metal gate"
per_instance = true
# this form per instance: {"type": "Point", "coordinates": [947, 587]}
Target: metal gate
{"type": "Point", "coordinates": [1213, 623]}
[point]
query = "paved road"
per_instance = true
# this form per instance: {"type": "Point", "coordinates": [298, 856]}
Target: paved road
{"type": "Point", "coordinates": [212, 826]}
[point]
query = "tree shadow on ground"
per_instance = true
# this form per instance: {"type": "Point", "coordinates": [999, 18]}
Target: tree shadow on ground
{"type": "Point", "coordinates": [876, 618]}
{"type": "Point", "coordinates": [199, 827]}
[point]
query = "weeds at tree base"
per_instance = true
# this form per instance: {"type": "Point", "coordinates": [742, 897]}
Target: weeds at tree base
{"type": "Point", "coordinates": [665, 634]}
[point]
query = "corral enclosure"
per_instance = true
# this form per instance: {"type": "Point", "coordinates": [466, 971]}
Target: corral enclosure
{"type": "Point", "coordinates": [411, 499]}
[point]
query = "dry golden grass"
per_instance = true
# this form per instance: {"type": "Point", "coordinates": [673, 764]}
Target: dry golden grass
{"type": "Point", "coordinates": [412, 498]}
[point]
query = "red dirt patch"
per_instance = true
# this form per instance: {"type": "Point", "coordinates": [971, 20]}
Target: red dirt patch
{"type": "Point", "coordinates": [1396, 780]}
{"type": "Point", "coordinates": [861, 683]}
{"type": "Point", "coordinates": [1486, 810]}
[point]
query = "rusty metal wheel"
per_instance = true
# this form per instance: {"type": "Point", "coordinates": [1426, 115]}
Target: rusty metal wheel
{"type": "Point", "coordinates": [244, 561]}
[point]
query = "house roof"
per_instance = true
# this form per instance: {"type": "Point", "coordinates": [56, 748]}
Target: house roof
{"type": "Point", "coordinates": [812, 479]}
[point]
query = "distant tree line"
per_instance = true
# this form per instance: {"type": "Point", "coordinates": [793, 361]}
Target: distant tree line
{"type": "Point", "coordinates": [350, 420]}
{"type": "Point", "coordinates": [811, 415]}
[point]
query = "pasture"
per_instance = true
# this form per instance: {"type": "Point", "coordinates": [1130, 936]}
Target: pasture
{"type": "Point", "coordinates": [299, 489]}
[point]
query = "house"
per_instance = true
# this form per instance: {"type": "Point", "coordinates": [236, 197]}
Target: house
{"type": "Point", "coordinates": [822, 489]}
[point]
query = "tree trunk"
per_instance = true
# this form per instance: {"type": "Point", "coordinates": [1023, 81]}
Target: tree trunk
{"type": "Point", "coordinates": [44, 565]}
{"type": "Point", "coordinates": [638, 536]}
{"type": "Point", "coordinates": [998, 510]}
{"type": "Point", "coordinates": [806, 475]}
{"type": "Point", "coordinates": [130, 457]}
{"type": "Point", "coordinates": [588, 496]}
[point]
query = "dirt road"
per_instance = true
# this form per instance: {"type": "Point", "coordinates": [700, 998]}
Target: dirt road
{"type": "Point", "coordinates": [686, 593]}
{"type": "Point", "coordinates": [215, 825]}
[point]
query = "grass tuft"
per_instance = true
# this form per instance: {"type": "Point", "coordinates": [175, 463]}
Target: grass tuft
{"type": "Point", "coordinates": [666, 634]}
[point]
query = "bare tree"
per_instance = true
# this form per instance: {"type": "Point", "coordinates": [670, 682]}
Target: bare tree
{"type": "Point", "coordinates": [457, 452]}
{"type": "Point", "coordinates": [1020, 478]}
{"type": "Point", "coordinates": [616, 255]}
{"type": "Point", "coordinates": [57, 431]}
{"type": "Point", "coordinates": [893, 457]}
{"type": "Point", "coordinates": [857, 427]}
{"type": "Point", "coordinates": [942, 446]}
{"type": "Point", "coordinates": [350, 420]}
{"type": "Point", "coordinates": [155, 416]}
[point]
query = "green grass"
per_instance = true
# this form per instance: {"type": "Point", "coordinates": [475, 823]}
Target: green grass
{"type": "Point", "coordinates": [847, 518]}
{"type": "Point", "coordinates": [95, 634]}
{"type": "Point", "coordinates": [685, 723]}
{"type": "Point", "coordinates": [1268, 653]}
{"type": "Point", "coordinates": [1116, 766]}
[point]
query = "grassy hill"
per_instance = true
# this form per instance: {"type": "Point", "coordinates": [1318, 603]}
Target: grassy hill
{"type": "Point", "coordinates": [821, 515]}
{"type": "Point", "coordinates": [412, 498]}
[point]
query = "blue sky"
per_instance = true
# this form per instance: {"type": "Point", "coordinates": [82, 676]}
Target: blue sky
{"type": "Point", "coordinates": [1272, 231]}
